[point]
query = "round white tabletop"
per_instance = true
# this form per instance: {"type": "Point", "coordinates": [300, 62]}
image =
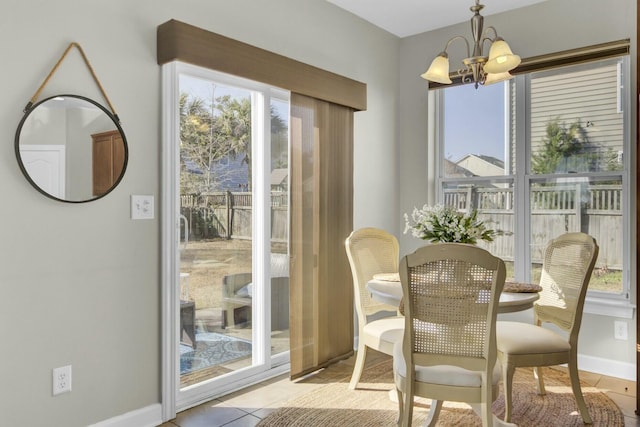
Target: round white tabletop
{"type": "Point", "coordinates": [391, 293]}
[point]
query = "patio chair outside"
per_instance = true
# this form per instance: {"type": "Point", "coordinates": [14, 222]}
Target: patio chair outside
{"type": "Point", "coordinates": [237, 296]}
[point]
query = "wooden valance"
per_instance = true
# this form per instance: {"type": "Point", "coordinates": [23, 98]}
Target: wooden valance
{"type": "Point", "coordinates": [178, 41]}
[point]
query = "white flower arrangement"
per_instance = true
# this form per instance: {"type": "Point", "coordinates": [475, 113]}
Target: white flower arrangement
{"type": "Point", "coordinates": [444, 224]}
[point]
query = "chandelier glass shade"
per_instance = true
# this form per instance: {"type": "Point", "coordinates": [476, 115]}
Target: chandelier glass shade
{"type": "Point", "coordinates": [478, 68]}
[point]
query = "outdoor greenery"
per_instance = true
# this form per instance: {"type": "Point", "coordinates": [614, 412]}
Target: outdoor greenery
{"type": "Point", "coordinates": [209, 133]}
{"type": "Point", "coordinates": [564, 149]}
{"type": "Point", "coordinates": [612, 161]}
{"type": "Point", "coordinates": [215, 130]}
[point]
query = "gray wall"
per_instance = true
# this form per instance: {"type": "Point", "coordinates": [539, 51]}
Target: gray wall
{"type": "Point", "coordinates": [80, 283]}
{"type": "Point", "coordinates": [550, 26]}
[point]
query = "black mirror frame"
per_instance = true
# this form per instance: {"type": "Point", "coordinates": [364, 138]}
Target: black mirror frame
{"type": "Point", "coordinates": [31, 107]}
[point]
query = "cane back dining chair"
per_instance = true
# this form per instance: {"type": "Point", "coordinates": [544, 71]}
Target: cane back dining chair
{"type": "Point", "coordinates": [448, 351]}
{"type": "Point", "coordinates": [370, 251]}
{"type": "Point", "coordinates": [566, 270]}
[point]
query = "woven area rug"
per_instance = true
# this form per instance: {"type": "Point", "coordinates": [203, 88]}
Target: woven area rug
{"type": "Point", "coordinates": [334, 404]}
{"type": "Point", "coordinates": [212, 349]}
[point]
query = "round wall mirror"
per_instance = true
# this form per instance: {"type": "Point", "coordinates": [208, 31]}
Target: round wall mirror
{"type": "Point", "coordinates": [71, 148]}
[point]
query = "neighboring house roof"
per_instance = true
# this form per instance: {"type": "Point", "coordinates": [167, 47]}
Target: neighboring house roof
{"type": "Point", "coordinates": [452, 170]}
{"type": "Point", "coordinates": [492, 160]}
{"type": "Point", "coordinates": [279, 176]}
{"type": "Point", "coordinates": [489, 159]}
{"type": "Point", "coordinates": [481, 165]}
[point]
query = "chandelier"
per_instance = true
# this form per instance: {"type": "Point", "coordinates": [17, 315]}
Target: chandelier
{"type": "Point", "coordinates": [478, 68]}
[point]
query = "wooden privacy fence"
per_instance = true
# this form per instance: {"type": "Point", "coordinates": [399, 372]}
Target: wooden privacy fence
{"type": "Point", "coordinates": [592, 209]}
{"type": "Point", "coordinates": [228, 215]}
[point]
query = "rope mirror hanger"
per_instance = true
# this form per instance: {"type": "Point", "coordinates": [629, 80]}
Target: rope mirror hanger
{"type": "Point", "coordinates": [69, 147]}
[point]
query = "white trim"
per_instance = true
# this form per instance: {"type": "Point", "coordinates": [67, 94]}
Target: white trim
{"type": "Point", "coordinates": [264, 366]}
{"type": "Point", "coordinates": [434, 161]}
{"type": "Point", "coordinates": [199, 395]}
{"type": "Point", "coordinates": [522, 203]}
{"type": "Point", "coordinates": [169, 238]}
{"type": "Point", "coordinates": [608, 367]}
{"type": "Point", "coordinates": [261, 185]}
{"type": "Point", "coordinates": [149, 416]}
{"type": "Point", "coordinates": [609, 307]}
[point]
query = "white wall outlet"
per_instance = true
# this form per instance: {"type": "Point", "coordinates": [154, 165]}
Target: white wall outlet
{"type": "Point", "coordinates": [620, 330]}
{"type": "Point", "coordinates": [142, 207]}
{"type": "Point", "coordinates": [62, 380]}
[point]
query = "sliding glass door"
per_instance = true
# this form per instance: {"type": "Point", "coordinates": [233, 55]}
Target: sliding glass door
{"type": "Point", "coordinates": [230, 220]}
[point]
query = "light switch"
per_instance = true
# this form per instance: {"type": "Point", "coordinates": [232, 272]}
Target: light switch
{"type": "Point", "coordinates": [142, 207]}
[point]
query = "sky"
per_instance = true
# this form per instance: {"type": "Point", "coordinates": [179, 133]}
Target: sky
{"type": "Point", "coordinates": [204, 89]}
{"type": "Point", "coordinates": [482, 113]}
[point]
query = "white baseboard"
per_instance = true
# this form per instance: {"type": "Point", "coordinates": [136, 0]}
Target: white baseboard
{"type": "Point", "coordinates": [611, 368]}
{"type": "Point", "coordinates": [150, 416]}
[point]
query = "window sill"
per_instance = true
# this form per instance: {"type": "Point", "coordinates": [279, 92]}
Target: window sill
{"type": "Point", "coordinates": [609, 307]}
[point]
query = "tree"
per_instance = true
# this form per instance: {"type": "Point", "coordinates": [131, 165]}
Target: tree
{"type": "Point", "coordinates": [563, 149]}
{"type": "Point", "coordinates": [613, 160]}
{"type": "Point", "coordinates": [279, 141]}
{"type": "Point", "coordinates": [195, 135]}
{"type": "Point", "coordinates": [233, 128]}
{"type": "Point", "coordinates": [209, 133]}
{"type": "Point", "coordinates": [219, 129]}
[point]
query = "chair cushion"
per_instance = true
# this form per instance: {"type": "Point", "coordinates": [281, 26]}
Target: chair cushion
{"type": "Point", "coordinates": [525, 338]}
{"type": "Point", "coordinates": [246, 291]}
{"type": "Point", "coordinates": [442, 374]}
{"type": "Point", "coordinates": [389, 329]}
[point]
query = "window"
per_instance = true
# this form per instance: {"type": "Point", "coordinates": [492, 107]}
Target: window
{"type": "Point", "coordinates": [540, 155]}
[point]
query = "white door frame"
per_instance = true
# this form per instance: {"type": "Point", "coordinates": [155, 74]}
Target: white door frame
{"type": "Point", "coordinates": [172, 398]}
{"type": "Point", "coordinates": [169, 240]}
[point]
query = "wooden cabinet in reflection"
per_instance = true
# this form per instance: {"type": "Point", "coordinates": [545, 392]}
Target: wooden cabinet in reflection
{"type": "Point", "coordinates": [108, 160]}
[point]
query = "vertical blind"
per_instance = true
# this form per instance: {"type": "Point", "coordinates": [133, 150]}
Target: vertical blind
{"type": "Point", "coordinates": [321, 219]}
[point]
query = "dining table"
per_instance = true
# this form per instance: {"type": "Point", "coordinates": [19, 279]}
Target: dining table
{"type": "Point", "coordinates": [386, 288]}
{"type": "Point", "coordinates": [519, 296]}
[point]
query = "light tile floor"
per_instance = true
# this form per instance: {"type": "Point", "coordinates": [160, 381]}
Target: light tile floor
{"type": "Point", "coordinates": [247, 407]}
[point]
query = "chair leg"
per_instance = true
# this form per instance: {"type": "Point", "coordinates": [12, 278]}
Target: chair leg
{"type": "Point", "coordinates": [537, 374]}
{"type": "Point", "coordinates": [407, 413]}
{"type": "Point", "coordinates": [577, 392]}
{"type": "Point", "coordinates": [434, 412]}
{"type": "Point", "coordinates": [507, 385]}
{"type": "Point", "coordinates": [487, 414]}
{"type": "Point", "coordinates": [400, 407]}
{"type": "Point", "coordinates": [358, 367]}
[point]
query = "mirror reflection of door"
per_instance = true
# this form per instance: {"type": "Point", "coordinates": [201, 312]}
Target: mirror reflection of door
{"type": "Point", "coordinates": [46, 166]}
{"type": "Point", "coordinates": [108, 160]}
